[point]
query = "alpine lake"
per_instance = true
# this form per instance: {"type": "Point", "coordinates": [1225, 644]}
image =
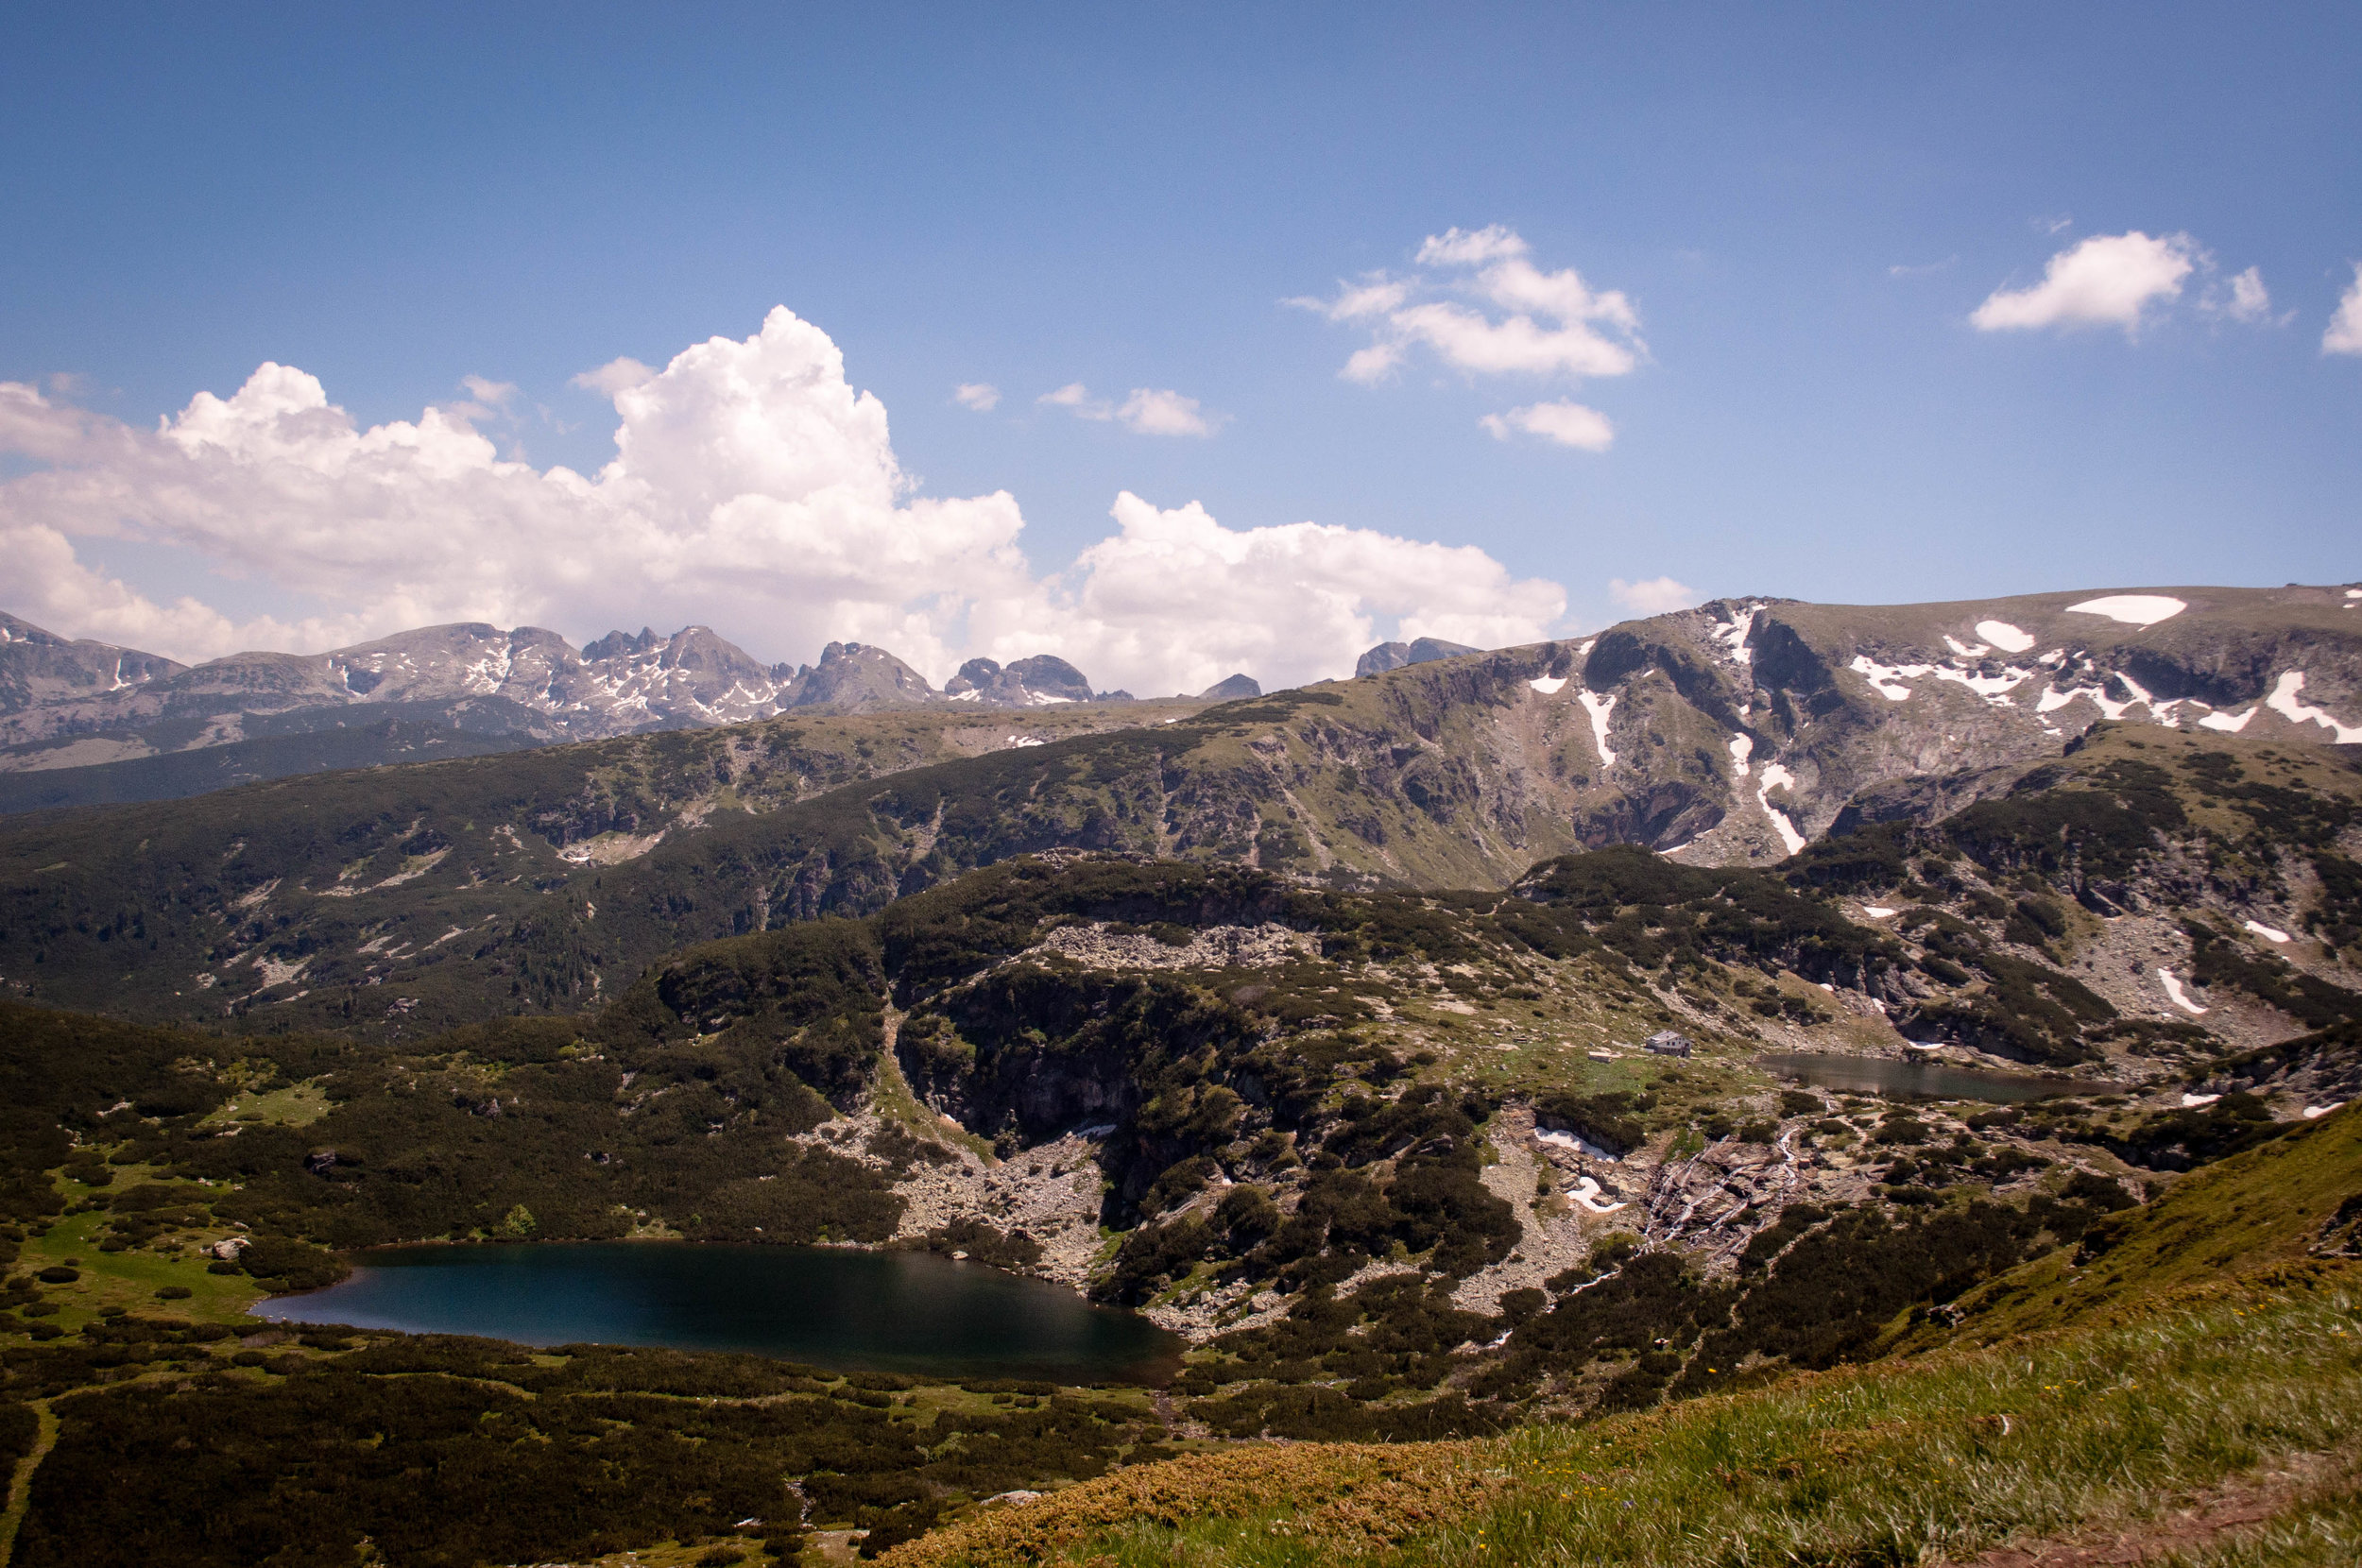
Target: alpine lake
{"type": "Point", "coordinates": [1911, 1080]}
{"type": "Point", "coordinates": [837, 1308]}
{"type": "Point", "coordinates": [847, 1310]}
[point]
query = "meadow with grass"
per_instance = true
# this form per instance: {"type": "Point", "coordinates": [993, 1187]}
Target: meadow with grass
{"type": "Point", "coordinates": [2250, 1390]}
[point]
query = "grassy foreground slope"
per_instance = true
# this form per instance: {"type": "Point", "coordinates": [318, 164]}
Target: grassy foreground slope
{"type": "Point", "coordinates": [2204, 1388]}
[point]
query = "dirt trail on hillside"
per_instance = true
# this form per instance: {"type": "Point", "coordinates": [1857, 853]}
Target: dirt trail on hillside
{"type": "Point", "coordinates": [20, 1483]}
{"type": "Point", "coordinates": [2201, 1519]}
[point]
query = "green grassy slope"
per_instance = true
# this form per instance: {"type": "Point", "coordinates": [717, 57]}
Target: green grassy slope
{"type": "Point", "coordinates": [2122, 1431]}
{"type": "Point", "coordinates": [2213, 1361]}
{"type": "Point", "coordinates": [2281, 1203]}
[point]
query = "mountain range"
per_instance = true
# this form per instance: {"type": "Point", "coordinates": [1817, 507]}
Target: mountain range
{"type": "Point", "coordinates": [91, 700]}
{"type": "Point", "coordinates": [1734, 734]}
{"type": "Point", "coordinates": [1767, 1005]}
{"type": "Point", "coordinates": [77, 711]}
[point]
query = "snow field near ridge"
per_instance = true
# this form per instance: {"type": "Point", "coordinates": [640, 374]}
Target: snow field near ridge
{"type": "Point", "coordinates": [2133, 609]}
{"type": "Point", "coordinates": [1962, 670]}
{"type": "Point", "coordinates": [2005, 636]}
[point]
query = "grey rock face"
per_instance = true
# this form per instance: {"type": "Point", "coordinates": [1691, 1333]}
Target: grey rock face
{"type": "Point", "coordinates": [1028, 683]}
{"type": "Point", "coordinates": [1230, 688]}
{"type": "Point", "coordinates": [39, 667]}
{"type": "Point", "coordinates": [1396, 656]}
{"type": "Point", "coordinates": [858, 676]}
{"type": "Point", "coordinates": [1047, 676]}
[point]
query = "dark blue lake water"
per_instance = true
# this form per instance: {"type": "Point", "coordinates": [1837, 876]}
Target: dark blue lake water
{"type": "Point", "coordinates": [1923, 1080]}
{"type": "Point", "coordinates": [905, 1312]}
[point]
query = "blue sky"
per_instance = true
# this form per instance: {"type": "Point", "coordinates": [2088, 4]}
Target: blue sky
{"type": "Point", "coordinates": [1803, 207]}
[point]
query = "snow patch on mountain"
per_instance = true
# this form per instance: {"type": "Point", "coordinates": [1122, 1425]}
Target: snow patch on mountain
{"type": "Point", "coordinates": [2005, 636]}
{"type": "Point", "coordinates": [1599, 708]}
{"type": "Point", "coordinates": [2133, 609]}
{"type": "Point", "coordinates": [2284, 702]}
{"type": "Point", "coordinates": [2230, 724]}
{"type": "Point", "coordinates": [1732, 632]}
{"type": "Point", "coordinates": [2173, 989]}
{"type": "Point", "coordinates": [1778, 777]}
{"type": "Point", "coordinates": [1963, 669]}
{"type": "Point", "coordinates": [2162, 712]}
{"type": "Point", "coordinates": [1887, 679]}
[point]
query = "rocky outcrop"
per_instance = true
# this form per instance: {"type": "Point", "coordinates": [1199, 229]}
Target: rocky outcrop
{"type": "Point", "coordinates": [1394, 656]}
{"type": "Point", "coordinates": [1034, 682]}
{"type": "Point", "coordinates": [856, 676]}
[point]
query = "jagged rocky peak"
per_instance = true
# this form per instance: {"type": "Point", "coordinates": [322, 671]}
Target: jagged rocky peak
{"type": "Point", "coordinates": [1034, 682]}
{"type": "Point", "coordinates": [693, 676]}
{"type": "Point", "coordinates": [621, 645]}
{"type": "Point", "coordinates": [858, 676]}
{"type": "Point", "coordinates": [691, 648]}
{"type": "Point", "coordinates": [1394, 656]}
{"type": "Point", "coordinates": [1230, 688]}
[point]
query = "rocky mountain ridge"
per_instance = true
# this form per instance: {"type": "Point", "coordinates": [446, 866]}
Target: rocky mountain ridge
{"type": "Point", "coordinates": [1730, 735]}
{"type": "Point", "coordinates": [69, 703]}
{"type": "Point", "coordinates": [1699, 719]}
{"type": "Point", "coordinates": [1394, 655]}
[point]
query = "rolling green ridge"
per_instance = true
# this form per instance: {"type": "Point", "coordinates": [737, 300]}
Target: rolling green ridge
{"type": "Point", "coordinates": [385, 741]}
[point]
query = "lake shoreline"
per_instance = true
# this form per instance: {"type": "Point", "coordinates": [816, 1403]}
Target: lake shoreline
{"type": "Point", "coordinates": [848, 1307]}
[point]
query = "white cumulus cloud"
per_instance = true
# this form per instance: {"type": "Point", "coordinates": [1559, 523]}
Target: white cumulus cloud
{"type": "Point", "coordinates": [1149, 411]}
{"type": "Point", "coordinates": [1173, 601]}
{"type": "Point", "coordinates": [1569, 424]}
{"type": "Point", "coordinates": [2344, 335]}
{"type": "Point", "coordinates": [2107, 280]}
{"type": "Point", "coordinates": [1154, 412]}
{"type": "Point", "coordinates": [752, 489]}
{"type": "Point", "coordinates": [1479, 305]}
{"type": "Point", "coordinates": [1652, 595]}
{"type": "Point", "coordinates": [980, 396]}
{"type": "Point", "coordinates": [1471, 247]}
{"type": "Point", "coordinates": [616, 375]}
{"type": "Point", "coordinates": [1524, 320]}
{"type": "Point", "coordinates": [2250, 300]}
